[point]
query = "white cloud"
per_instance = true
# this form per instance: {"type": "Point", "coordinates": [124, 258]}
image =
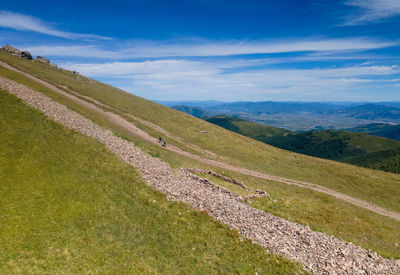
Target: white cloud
{"type": "Point", "coordinates": [23, 22]}
{"type": "Point", "coordinates": [177, 79]}
{"type": "Point", "coordinates": [372, 10]}
{"type": "Point", "coordinates": [203, 48]}
{"type": "Point", "coordinates": [356, 80]}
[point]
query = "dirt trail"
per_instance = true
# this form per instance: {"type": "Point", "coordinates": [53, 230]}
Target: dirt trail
{"type": "Point", "coordinates": [142, 121]}
{"type": "Point", "coordinates": [131, 128]}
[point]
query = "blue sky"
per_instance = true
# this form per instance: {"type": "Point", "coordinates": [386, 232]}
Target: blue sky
{"type": "Point", "coordinates": [230, 50]}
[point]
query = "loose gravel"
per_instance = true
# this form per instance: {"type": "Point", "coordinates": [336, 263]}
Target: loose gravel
{"type": "Point", "coordinates": [318, 252]}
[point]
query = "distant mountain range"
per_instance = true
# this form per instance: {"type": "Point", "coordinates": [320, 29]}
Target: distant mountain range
{"type": "Point", "coordinates": [303, 116]}
{"type": "Point", "coordinates": [194, 103]}
{"type": "Point", "coordinates": [370, 112]}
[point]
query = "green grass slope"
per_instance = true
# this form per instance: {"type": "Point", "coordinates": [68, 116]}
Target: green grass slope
{"type": "Point", "coordinates": [371, 185]}
{"type": "Point", "coordinates": [386, 160]}
{"type": "Point", "coordinates": [357, 148]}
{"type": "Point", "coordinates": [319, 211]}
{"type": "Point", "coordinates": [67, 205]}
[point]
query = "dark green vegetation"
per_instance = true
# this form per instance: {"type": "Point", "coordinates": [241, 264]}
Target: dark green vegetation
{"type": "Point", "coordinates": [355, 148]}
{"type": "Point", "coordinates": [343, 220]}
{"type": "Point", "coordinates": [67, 205]}
{"type": "Point", "coordinates": [193, 111]}
{"type": "Point", "coordinates": [379, 129]}
{"type": "Point", "coordinates": [250, 129]}
{"type": "Point", "coordinates": [386, 160]}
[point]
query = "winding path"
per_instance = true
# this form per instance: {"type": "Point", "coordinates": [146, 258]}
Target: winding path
{"type": "Point", "coordinates": [132, 129]}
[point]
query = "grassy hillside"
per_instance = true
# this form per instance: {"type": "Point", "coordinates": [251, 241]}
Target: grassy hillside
{"type": "Point", "coordinates": [321, 212]}
{"type": "Point", "coordinates": [356, 148]}
{"type": "Point", "coordinates": [67, 205]}
{"type": "Point", "coordinates": [377, 187]}
{"type": "Point", "coordinates": [386, 160]}
{"type": "Point", "coordinates": [247, 128]}
{"type": "Point", "coordinates": [379, 129]}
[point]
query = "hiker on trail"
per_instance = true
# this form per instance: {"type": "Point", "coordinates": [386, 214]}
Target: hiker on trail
{"type": "Point", "coordinates": [164, 144]}
{"type": "Point", "coordinates": [159, 140]}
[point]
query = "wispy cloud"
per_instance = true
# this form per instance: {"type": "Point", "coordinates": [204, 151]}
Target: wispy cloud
{"type": "Point", "coordinates": [202, 48]}
{"type": "Point", "coordinates": [175, 79]}
{"type": "Point", "coordinates": [372, 11]}
{"type": "Point", "coordinates": [23, 22]}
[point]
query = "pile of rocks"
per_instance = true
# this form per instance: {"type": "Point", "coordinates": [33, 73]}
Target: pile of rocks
{"type": "Point", "coordinates": [43, 59]}
{"type": "Point", "coordinates": [26, 55]}
{"type": "Point", "coordinates": [258, 194]}
{"type": "Point", "coordinates": [14, 51]}
{"type": "Point", "coordinates": [318, 252]}
{"type": "Point", "coordinates": [189, 171]}
{"type": "Point", "coordinates": [218, 176]}
{"type": "Point", "coordinates": [209, 183]}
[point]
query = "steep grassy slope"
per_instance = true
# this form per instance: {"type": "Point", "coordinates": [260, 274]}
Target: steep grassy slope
{"type": "Point", "coordinates": [379, 129]}
{"type": "Point", "coordinates": [373, 186]}
{"type": "Point", "coordinates": [67, 205]}
{"type": "Point", "coordinates": [351, 223]}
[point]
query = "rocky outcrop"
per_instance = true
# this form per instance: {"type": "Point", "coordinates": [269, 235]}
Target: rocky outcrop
{"type": "Point", "coordinates": [14, 51]}
{"type": "Point", "coordinates": [318, 252]}
{"type": "Point", "coordinates": [26, 55]}
{"type": "Point", "coordinates": [43, 59]}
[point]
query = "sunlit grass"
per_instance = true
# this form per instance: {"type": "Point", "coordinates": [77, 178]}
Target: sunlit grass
{"type": "Point", "coordinates": [374, 186]}
{"type": "Point", "coordinates": [67, 205]}
{"type": "Point", "coordinates": [310, 208]}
